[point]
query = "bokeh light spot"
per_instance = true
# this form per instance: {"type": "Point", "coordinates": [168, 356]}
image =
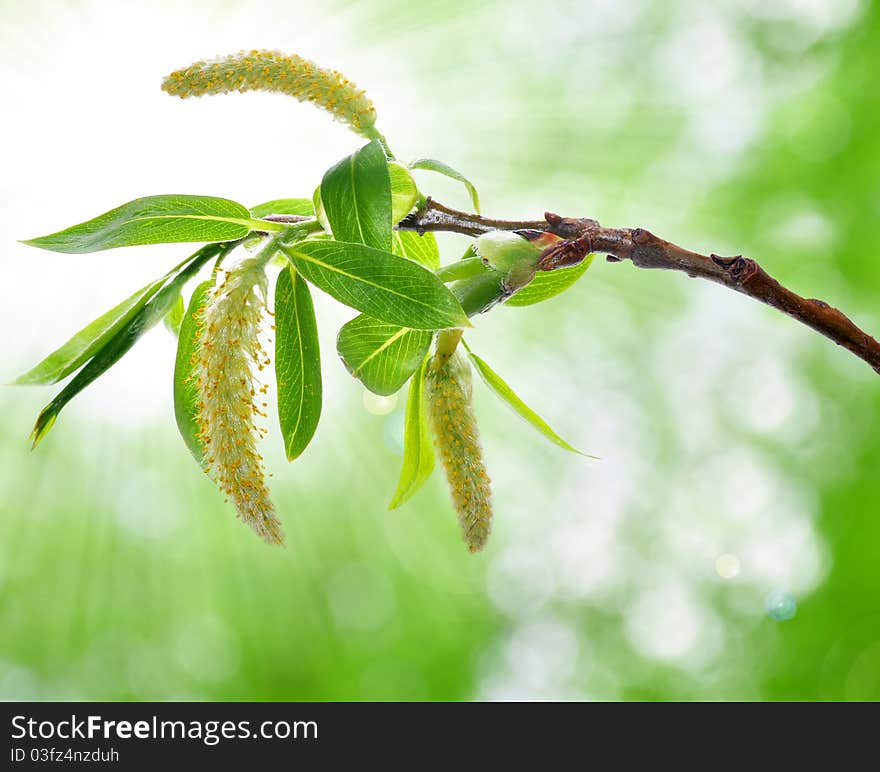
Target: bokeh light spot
{"type": "Point", "coordinates": [727, 566]}
{"type": "Point", "coordinates": [780, 605]}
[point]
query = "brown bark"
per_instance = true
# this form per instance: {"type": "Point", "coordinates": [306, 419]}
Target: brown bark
{"type": "Point", "coordinates": [645, 250]}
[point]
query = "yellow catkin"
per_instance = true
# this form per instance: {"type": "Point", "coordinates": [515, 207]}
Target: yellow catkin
{"type": "Point", "coordinates": [275, 71]}
{"type": "Point", "coordinates": [448, 396]}
{"type": "Point", "coordinates": [230, 397]}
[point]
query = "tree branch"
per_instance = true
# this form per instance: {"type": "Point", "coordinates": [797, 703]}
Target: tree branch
{"type": "Point", "coordinates": [581, 236]}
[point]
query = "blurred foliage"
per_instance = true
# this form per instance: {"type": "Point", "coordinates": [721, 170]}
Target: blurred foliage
{"type": "Point", "coordinates": [739, 452]}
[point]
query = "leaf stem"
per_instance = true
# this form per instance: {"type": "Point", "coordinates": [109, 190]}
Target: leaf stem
{"type": "Point", "coordinates": [447, 342]}
{"type": "Point", "coordinates": [373, 133]}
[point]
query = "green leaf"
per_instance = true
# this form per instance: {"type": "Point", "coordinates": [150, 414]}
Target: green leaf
{"type": "Point", "coordinates": [103, 360]}
{"type": "Point", "coordinates": [421, 249]}
{"type": "Point", "coordinates": [117, 346]}
{"type": "Point", "coordinates": [548, 284]}
{"type": "Point", "coordinates": [320, 214]}
{"type": "Point", "coordinates": [82, 346]}
{"type": "Point", "coordinates": [506, 394]}
{"type": "Point", "coordinates": [186, 396]}
{"type": "Point", "coordinates": [297, 362]}
{"type": "Point", "coordinates": [174, 318]}
{"type": "Point", "coordinates": [470, 251]}
{"type": "Point", "coordinates": [356, 194]}
{"type": "Point", "coordinates": [387, 287]}
{"type": "Point", "coordinates": [90, 339]}
{"type": "Point", "coordinates": [157, 220]}
{"type": "Point", "coordinates": [431, 165]}
{"type": "Point", "coordinates": [299, 206]}
{"type": "Point", "coordinates": [403, 191]}
{"type": "Point", "coordinates": [418, 455]}
{"type": "Point", "coordinates": [381, 356]}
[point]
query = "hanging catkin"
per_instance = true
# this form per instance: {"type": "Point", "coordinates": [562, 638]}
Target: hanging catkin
{"type": "Point", "coordinates": [283, 73]}
{"type": "Point", "coordinates": [448, 395]}
{"type": "Point", "coordinates": [230, 399]}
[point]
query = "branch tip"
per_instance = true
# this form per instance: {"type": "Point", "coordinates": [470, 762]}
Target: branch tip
{"type": "Point", "coordinates": [582, 236]}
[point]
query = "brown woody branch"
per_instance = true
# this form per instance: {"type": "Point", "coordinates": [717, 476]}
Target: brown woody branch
{"type": "Point", "coordinates": [581, 236]}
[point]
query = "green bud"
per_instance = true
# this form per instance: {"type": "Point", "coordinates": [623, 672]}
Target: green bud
{"type": "Point", "coordinates": [512, 255]}
{"type": "Point", "coordinates": [511, 262]}
{"type": "Point", "coordinates": [503, 250]}
{"type": "Point", "coordinates": [477, 294]}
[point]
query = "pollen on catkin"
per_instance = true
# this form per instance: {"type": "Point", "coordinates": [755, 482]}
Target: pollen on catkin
{"type": "Point", "coordinates": [448, 390]}
{"type": "Point", "coordinates": [275, 71]}
{"type": "Point", "coordinates": [229, 351]}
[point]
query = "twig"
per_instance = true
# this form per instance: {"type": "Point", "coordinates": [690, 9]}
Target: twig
{"type": "Point", "coordinates": [583, 236]}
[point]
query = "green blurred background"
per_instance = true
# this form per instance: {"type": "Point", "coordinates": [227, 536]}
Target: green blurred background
{"type": "Point", "coordinates": [724, 547]}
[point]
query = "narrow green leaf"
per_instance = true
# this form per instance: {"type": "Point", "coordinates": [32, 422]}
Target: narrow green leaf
{"type": "Point", "coordinates": [506, 394]}
{"type": "Point", "coordinates": [418, 455]}
{"type": "Point", "coordinates": [117, 346]}
{"type": "Point", "coordinates": [91, 338]}
{"type": "Point", "coordinates": [157, 220]}
{"type": "Point", "coordinates": [186, 397]}
{"type": "Point", "coordinates": [431, 165]}
{"type": "Point", "coordinates": [82, 346]}
{"type": "Point", "coordinates": [403, 191]}
{"type": "Point", "coordinates": [548, 284]}
{"type": "Point", "coordinates": [379, 284]}
{"type": "Point", "coordinates": [303, 207]}
{"type": "Point", "coordinates": [356, 195]}
{"type": "Point", "coordinates": [174, 318]}
{"type": "Point", "coordinates": [422, 249]}
{"type": "Point", "coordinates": [111, 353]}
{"type": "Point", "coordinates": [297, 362]}
{"type": "Point", "coordinates": [381, 356]}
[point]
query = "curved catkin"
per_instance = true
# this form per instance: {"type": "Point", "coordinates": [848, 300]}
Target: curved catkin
{"type": "Point", "coordinates": [275, 71]}
{"type": "Point", "coordinates": [448, 395]}
{"type": "Point", "coordinates": [231, 400]}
